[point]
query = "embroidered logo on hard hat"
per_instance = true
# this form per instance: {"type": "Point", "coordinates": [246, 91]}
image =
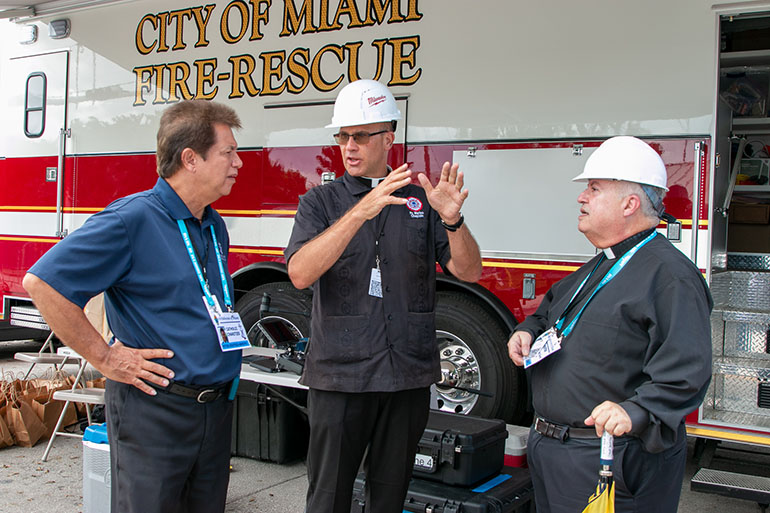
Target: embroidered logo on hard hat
{"type": "Point", "coordinates": [415, 207]}
{"type": "Point", "coordinates": [375, 100]}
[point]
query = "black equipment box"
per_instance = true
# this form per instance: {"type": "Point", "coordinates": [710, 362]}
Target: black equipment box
{"type": "Point", "coordinates": [266, 426]}
{"type": "Point", "coordinates": [460, 449]}
{"type": "Point", "coordinates": [510, 491]}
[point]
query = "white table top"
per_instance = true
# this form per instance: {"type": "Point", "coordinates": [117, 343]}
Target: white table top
{"type": "Point", "coordinates": [283, 378]}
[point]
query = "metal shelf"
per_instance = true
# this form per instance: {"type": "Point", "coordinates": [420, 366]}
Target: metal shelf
{"type": "Point", "coordinates": [752, 188]}
{"type": "Point", "coordinates": [747, 58]}
{"type": "Point", "coordinates": [751, 125]}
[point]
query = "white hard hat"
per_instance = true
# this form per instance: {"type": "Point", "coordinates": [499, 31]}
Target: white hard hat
{"type": "Point", "coordinates": [363, 102]}
{"type": "Point", "coordinates": [625, 158]}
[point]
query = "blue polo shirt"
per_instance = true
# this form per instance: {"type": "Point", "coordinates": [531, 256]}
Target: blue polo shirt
{"type": "Point", "coordinates": [133, 251]}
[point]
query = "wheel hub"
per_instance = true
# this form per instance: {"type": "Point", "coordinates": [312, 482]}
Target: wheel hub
{"type": "Point", "coordinates": [459, 368]}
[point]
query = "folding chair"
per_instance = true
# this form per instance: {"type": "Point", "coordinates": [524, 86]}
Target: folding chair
{"type": "Point", "coordinates": [79, 393]}
{"type": "Point", "coordinates": [46, 355]}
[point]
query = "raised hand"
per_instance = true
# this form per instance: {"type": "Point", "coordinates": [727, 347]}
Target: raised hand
{"type": "Point", "coordinates": [448, 196]}
{"type": "Point", "coordinates": [382, 195]}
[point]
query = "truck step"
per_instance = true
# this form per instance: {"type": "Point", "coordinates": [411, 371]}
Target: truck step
{"type": "Point", "coordinates": [731, 484]}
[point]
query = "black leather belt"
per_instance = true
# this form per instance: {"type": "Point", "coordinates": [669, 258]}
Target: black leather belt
{"type": "Point", "coordinates": [202, 394]}
{"type": "Point", "coordinates": [561, 432]}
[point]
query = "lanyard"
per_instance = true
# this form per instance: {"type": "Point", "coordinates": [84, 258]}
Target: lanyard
{"type": "Point", "coordinates": [379, 225]}
{"type": "Point", "coordinates": [614, 270]}
{"type": "Point", "coordinates": [197, 266]}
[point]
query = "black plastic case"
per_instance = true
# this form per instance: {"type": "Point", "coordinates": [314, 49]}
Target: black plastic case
{"type": "Point", "coordinates": [266, 427]}
{"type": "Point", "coordinates": [460, 449]}
{"type": "Point", "coordinates": [510, 491]}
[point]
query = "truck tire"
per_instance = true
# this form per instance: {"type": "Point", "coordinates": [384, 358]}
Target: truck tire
{"type": "Point", "coordinates": [474, 355]}
{"type": "Point", "coordinates": [283, 297]}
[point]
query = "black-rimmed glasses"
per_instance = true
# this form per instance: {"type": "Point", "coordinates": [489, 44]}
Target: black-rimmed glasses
{"type": "Point", "coordinates": [342, 138]}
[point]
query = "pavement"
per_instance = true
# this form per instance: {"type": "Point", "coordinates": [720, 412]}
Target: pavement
{"type": "Point", "coordinates": [30, 486]}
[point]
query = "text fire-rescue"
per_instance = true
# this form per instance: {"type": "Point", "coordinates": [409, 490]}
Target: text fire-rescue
{"type": "Point", "coordinates": [282, 70]}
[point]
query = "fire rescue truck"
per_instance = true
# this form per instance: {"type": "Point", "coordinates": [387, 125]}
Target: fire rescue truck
{"type": "Point", "coordinates": [518, 93]}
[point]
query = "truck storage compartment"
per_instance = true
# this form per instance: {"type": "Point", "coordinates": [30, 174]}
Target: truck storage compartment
{"type": "Point", "coordinates": [265, 426]}
{"type": "Point", "coordinates": [510, 491]}
{"type": "Point", "coordinates": [740, 326]}
{"type": "Point", "coordinates": [460, 449]}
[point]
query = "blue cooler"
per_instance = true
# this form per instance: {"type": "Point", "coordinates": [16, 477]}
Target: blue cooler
{"type": "Point", "coordinates": [96, 470]}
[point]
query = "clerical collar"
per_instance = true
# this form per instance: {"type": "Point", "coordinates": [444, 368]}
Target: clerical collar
{"type": "Point", "coordinates": [370, 182]}
{"type": "Point", "coordinates": [620, 248]}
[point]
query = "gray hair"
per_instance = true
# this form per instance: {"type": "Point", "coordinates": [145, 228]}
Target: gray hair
{"type": "Point", "coordinates": [650, 197]}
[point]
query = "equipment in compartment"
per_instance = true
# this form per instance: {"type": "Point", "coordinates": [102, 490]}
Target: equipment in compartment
{"type": "Point", "coordinates": [510, 491]}
{"type": "Point", "coordinates": [460, 449]}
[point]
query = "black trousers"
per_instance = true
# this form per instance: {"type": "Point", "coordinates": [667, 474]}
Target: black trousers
{"type": "Point", "coordinates": [565, 474]}
{"type": "Point", "coordinates": [342, 427]}
{"type": "Point", "coordinates": [168, 454]}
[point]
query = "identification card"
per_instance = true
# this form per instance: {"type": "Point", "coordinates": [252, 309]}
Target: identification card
{"type": "Point", "coordinates": [229, 327]}
{"type": "Point", "coordinates": [375, 283]}
{"type": "Point", "coordinates": [231, 333]}
{"type": "Point", "coordinates": [546, 344]}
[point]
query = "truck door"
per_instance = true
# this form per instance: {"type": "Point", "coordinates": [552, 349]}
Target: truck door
{"type": "Point", "coordinates": [35, 136]}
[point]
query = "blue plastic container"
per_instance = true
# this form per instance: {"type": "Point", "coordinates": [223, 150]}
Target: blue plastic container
{"type": "Point", "coordinates": [96, 433]}
{"type": "Point", "coordinates": [96, 470]}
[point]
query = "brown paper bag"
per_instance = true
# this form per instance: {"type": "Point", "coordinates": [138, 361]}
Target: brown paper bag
{"type": "Point", "coordinates": [96, 383]}
{"type": "Point", "coordinates": [24, 424]}
{"type": "Point", "coordinates": [6, 438]}
{"type": "Point", "coordinates": [48, 411]}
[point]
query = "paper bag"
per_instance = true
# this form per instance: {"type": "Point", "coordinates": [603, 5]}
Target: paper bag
{"type": "Point", "coordinates": [24, 424]}
{"type": "Point", "coordinates": [48, 411]}
{"type": "Point", "coordinates": [6, 439]}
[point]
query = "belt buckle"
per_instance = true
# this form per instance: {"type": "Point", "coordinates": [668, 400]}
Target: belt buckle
{"type": "Point", "coordinates": [206, 396]}
{"type": "Point", "coordinates": [545, 428]}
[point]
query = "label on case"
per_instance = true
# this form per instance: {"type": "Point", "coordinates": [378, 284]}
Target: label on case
{"type": "Point", "coordinates": [423, 462]}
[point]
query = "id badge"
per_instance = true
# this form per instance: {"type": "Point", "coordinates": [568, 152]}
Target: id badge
{"type": "Point", "coordinates": [230, 332]}
{"type": "Point", "coordinates": [546, 344]}
{"type": "Point", "coordinates": [228, 325]}
{"type": "Point", "coordinates": [375, 283]}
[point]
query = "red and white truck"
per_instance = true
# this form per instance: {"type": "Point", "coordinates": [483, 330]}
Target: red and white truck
{"type": "Point", "coordinates": [517, 93]}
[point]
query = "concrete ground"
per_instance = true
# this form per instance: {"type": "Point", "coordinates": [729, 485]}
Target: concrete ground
{"type": "Point", "coordinates": [30, 486]}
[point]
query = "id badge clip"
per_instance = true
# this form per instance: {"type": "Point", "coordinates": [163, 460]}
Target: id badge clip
{"type": "Point", "coordinates": [545, 345]}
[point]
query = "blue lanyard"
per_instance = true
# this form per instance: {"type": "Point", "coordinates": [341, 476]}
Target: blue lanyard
{"type": "Point", "coordinates": [614, 270]}
{"type": "Point", "coordinates": [197, 267]}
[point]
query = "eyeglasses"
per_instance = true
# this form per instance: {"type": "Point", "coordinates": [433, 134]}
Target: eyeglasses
{"type": "Point", "coordinates": [342, 138]}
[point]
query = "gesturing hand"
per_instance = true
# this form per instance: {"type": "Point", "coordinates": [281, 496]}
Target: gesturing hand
{"type": "Point", "coordinates": [447, 197]}
{"type": "Point", "coordinates": [382, 195]}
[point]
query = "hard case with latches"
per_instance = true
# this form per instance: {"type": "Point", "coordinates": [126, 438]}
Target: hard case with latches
{"type": "Point", "coordinates": [509, 491]}
{"type": "Point", "coordinates": [460, 449]}
{"type": "Point", "coordinates": [266, 426]}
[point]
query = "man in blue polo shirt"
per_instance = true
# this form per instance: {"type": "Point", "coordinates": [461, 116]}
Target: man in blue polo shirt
{"type": "Point", "coordinates": [160, 256]}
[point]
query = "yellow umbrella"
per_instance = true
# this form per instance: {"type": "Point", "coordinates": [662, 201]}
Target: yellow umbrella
{"type": "Point", "coordinates": [603, 499]}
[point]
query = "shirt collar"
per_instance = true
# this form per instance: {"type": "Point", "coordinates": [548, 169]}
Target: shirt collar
{"type": "Point", "coordinates": [174, 204]}
{"type": "Point", "coordinates": [622, 247]}
{"type": "Point", "coordinates": [361, 185]}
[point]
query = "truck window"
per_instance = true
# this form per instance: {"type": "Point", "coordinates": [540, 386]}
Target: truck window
{"type": "Point", "coordinates": [34, 105]}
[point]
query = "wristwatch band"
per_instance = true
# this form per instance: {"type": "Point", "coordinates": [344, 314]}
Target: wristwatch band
{"type": "Point", "coordinates": [454, 227]}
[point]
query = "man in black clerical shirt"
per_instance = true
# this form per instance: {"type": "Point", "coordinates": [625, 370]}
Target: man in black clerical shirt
{"type": "Point", "coordinates": [633, 346]}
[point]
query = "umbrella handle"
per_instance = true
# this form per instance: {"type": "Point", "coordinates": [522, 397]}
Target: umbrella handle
{"type": "Point", "coordinates": [608, 443]}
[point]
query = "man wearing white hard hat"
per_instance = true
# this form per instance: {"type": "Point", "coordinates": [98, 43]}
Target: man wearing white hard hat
{"type": "Point", "coordinates": [621, 345]}
{"type": "Point", "coordinates": [368, 244]}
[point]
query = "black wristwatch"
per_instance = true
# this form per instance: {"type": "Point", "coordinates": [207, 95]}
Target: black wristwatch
{"type": "Point", "coordinates": [454, 227]}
